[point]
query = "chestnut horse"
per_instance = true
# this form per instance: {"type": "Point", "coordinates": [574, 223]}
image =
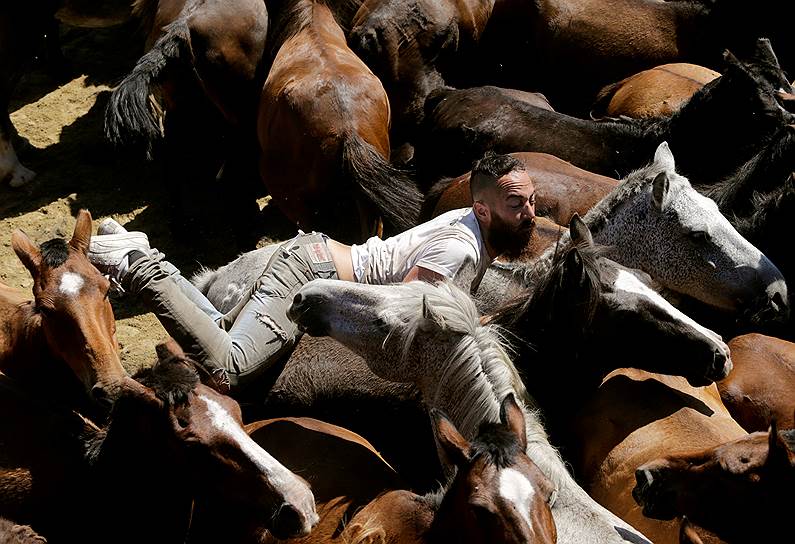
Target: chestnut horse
{"type": "Point", "coordinates": [562, 189]}
{"type": "Point", "coordinates": [739, 490]}
{"type": "Point", "coordinates": [68, 325]}
{"type": "Point", "coordinates": [635, 417]}
{"type": "Point", "coordinates": [657, 92]}
{"type": "Point", "coordinates": [323, 127]}
{"type": "Point", "coordinates": [761, 387]}
{"type": "Point", "coordinates": [173, 444]}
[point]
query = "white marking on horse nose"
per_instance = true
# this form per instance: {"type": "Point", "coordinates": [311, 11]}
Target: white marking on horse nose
{"type": "Point", "coordinates": [517, 489]}
{"type": "Point", "coordinates": [71, 284]}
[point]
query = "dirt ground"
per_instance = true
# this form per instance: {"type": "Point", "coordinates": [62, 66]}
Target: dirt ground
{"type": "Point", "coordinates": [61, 117]}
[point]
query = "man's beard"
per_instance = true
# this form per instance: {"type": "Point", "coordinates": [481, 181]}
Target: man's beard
{"type": "Point", "coordinates": [507, 240]}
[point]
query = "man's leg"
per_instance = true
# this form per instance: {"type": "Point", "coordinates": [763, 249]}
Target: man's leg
{"type": "Point", "coordinates": [260, 334]}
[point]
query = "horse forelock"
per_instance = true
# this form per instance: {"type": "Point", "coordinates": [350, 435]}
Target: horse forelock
{"type": "Point", "coordinates": [171, 380]}
{"type": "Point", "coordinates": [54, 252]}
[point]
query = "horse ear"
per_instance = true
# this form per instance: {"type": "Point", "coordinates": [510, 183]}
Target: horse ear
{"type": "Point", "coordinates": [81, 238]}
{"type": "Point", "coordinates": [454, 445]}
{"type": "Point", "coordinates": [430, 314]}
{"type": "Point", "coordinates": [512, 416]}
{"type": "Point", "coordinates": [579, 231]}
{"type": "Point", "coordinates": [664, 158]}
{"type": "Point", "coordinates": [687, 533]}
{"type": "Point", "coordinates": [659, 190]}
{"type": "Point", "coordinates": [763, 51]}
{"type": "Point", "coordinates": [169, 348]}
{"type": "Point", "coordinates": [733, 64]}
{"type": "Point", "coordinates": [27, 251]}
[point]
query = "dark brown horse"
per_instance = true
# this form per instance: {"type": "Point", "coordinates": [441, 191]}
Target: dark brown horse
{"type": "Point", "coordinates": [323, 127]}
{"type": "Point", "coordinates": [761, 387]}
{"type": "Point", "coordinates": [413, 46]}
{"type": "Point", "coordinates": [172, 444]}
{"type": "Point", "coordinates": [570, 50]}
{"type": "Point", "coordinates": [718, 129]}
{"type": "Point", "coordinates": [739, 490]}
{"type": "Point", "coordinates": [68, 326]}
{"type": "Point", "coordinates": [562, 189]}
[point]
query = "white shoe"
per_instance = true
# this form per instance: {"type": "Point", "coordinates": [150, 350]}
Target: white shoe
{"type": "Point", "coordinates": [108, 252]}
{"type": "Point", "coordinates": [110, 226]}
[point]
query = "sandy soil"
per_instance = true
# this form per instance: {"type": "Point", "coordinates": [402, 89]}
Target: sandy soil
{"type": "Point", "coordinates": [61, 118]}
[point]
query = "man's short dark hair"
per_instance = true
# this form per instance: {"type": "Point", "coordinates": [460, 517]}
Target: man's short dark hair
{"type": "Point", "coordinates": [489, 169]}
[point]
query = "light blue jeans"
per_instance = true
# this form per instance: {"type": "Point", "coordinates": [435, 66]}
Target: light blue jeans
{"type": "Point", "coordinates": [242, 345]}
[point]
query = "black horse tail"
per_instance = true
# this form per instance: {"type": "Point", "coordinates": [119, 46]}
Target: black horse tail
{"type": "Point", "coordinates": [130, 118]}
{"type": "Point", "coordinates": [391, 191]}
{"type": "Point", "coordinates": [433, 196]}
{"type": "Point", "coordinates": [603, 98]}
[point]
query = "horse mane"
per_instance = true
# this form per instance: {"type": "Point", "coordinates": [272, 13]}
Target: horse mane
{"type": "Point", "coordinates": [171, 379]}
{"type": "Point", "coordinates": [288, 18]}
{"type": "Point", "coordinates": [54, 252]}
{"type": "Point", "coordinates": [477, 373]}
{"type": "Point", "coordinates": [765, 205]}
{"type": "Point", "coordinates": [497, 444]}
{"type": "Point", "coordinates": [145, 11]}
{"type": "Point", "coordinates": [769, 166]}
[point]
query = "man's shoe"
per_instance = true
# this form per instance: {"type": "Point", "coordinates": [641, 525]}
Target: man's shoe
{"type": "Point", "coordinates": [110, 226]}
{"type": "Point", "coordinates": [110, 252]}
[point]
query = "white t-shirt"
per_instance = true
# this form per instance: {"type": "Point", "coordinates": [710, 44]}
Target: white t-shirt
{"type": "Point", "coordinates": [441, 245]}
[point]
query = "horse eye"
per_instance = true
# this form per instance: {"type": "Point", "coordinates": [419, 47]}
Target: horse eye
{"type": "Point", "coordinates": [182, 422]}
{"type": "Point", "coordinates": [379, 323]}
{"type": "Point", "coordinates": [699, 235]}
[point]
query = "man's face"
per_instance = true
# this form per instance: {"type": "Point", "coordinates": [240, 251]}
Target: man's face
{"type": "Point", "coordinates": [512, 207]}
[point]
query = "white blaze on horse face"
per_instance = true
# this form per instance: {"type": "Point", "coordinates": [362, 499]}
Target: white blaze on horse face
{"type": "Point", "coordinates": [223, 421]}
{"type": "Point", "coordinates": [629, 282]}
{"type": "Point", "coordinates": [71, 284]}
{"type": "Point", "coordinates": [517, 489]}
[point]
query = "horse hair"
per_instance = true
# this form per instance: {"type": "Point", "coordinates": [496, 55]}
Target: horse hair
{"type": "Point", "coordinates": [54, 252]}
{"type": "Point", "coordinates": [767, 209]}
{"type": "Point", "coordinates": [495, 443]}
{"type": "Point", "coordinates": [171, 379]}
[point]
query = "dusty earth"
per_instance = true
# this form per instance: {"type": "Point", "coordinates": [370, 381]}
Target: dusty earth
{"type": "Point", "coordinates": [61, 117]}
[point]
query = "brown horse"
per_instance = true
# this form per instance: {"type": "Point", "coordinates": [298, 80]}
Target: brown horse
{"type": "Point", "coordinates": [761, 387]}
{"type": "Point", "coordinates": [635, 417]}
{"type": "Point", "coordinates": [68, 324]}
{"type": "Point", "coordinates": [173, 444]}
{"type": "Point", "coordinates": [323, 127]}
{"type": "Point", "coordinates": [497, 495]}
{"type": "Point", "coordinates": [739, 490]}
{"type": "Point", "coordinates": [562, 189]}
{"type": "Point", "coordinates": [413, 46]}
{"type": "Point", "coordinates": [657, 92]}
{"type": "Point", "coordinates": [11, 533]}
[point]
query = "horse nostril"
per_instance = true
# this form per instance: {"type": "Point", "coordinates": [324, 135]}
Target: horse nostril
{"type": "Point", "coordinates": [101, 396]}
{"type": "Point", "coordinates": [289, 522]}
{"type": "Point", "coordinates": [297, 299]}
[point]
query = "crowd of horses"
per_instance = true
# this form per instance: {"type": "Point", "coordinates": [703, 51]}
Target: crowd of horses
{"type": "Point", "coordinates": [584, 394]}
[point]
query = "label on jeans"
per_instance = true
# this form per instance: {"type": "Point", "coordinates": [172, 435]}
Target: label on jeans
{"type": "Point", "coordinates": [319, 253]}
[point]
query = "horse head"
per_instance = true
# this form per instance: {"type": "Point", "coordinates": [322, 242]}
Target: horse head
{"type": "Point", "coordinates": [205, 431]}
{"type": "Point", "coordinates": [72, 308]}
{"type": "Point", "coordinates": [498, 493]}
{"type": "Point", "coordinates": [723, 485]}
{"type": "Point", "coordinates": [680, 237]}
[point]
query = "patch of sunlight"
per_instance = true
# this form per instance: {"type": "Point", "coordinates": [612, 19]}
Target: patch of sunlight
{"type": "Point", "coordinates": [42, 121]}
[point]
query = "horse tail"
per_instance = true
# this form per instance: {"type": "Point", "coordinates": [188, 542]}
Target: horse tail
{"type": "Point", "coordinates": [599, 108]}
{"type": "Point", "coordinates": [130, 117]}
{"type": "Point", "coordinates": [390, 190]}
{"type": "Point", "coordinates": [203, 279]}
{"type": "Point", "coordinates": [433, 196]}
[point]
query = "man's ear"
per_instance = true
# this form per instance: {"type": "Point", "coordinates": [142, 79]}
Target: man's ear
{"type": "Point", "coordinates": [482, 211]}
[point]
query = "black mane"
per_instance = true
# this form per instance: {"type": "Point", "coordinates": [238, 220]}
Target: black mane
{"type": "Point", "coordinates": [498, 444]}
{"type": "Point", "coordinates": [54, 252]}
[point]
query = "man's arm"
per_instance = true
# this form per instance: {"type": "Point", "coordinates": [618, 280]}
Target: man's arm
{"type": "Point", "coordinates": [423, 274]}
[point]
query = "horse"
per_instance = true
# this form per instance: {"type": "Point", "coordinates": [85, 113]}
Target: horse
{"type": "Point", "coordinates": [324, 118]}
{"type": "Point", "coordinates": [657, 92]}
{"type": "Point", "coordinates": [498, 493]}
{"type": "Point", "coordinates": [715, 132]}
{"type": "Point", "coordinates": [413, 46]}
{"type": "Point", "coordinates": [172, 443]}
{"type": "Point", "coordinates": [570, 51]}
{"type": "Point", "coordinates": [562, 189]}
{"type": "Point", "coordinates": [11, 533]}
{"type": "Point", "coordinates": [738, 489]}
{"type": "Point", "coordinates": [64, 339]}
{"type": "Point", "coordinates": [436, 341]}
{"type": "Point", "coordinates": [759, 389]}
{"type": "Point", "coordinates": [654, 217]}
